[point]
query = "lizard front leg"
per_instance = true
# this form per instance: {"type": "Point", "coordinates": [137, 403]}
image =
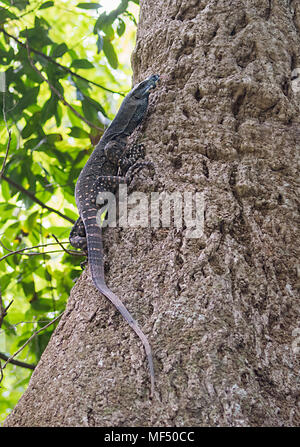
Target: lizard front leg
{"type": "Point", "coordinates": [77, 236]}
{"type": "Point", "coordinates": [131, 156]}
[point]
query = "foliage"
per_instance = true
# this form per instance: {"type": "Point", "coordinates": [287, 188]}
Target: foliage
{"type": "Point", "coordinates": [63, 72]}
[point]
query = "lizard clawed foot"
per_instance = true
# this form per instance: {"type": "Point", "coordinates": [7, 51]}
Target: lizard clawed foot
{"type": "Point", "coordinates": [131, 156]}
{"type": "Point", "coordinates": [137, 167]}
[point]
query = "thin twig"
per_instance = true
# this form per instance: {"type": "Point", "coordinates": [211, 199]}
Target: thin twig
{"type": "Point", "coordinates": [35, 199]}
{"type": "Point", "coordinates": [58, 94]}
{"type": "Point", "coordinates": [3, 313]}
{"type": "Point", "coordinates": [29, 248]}
{"type": "Point", "coordinates": [29, 340]}
{"type": "Point", "coordinates": [68, 70]}
{"type": "Point", "coordinates": [9, 136]}
{"type": "Point", "coordinates": [3, 310]}
{"type": "Point", "coordinates": [35, 246]}
{"type": "Point", "coordinates": [70, 252]}
{"type": "Point", "coordinates": [17, 362]}
{"type": "Point", "coordinates": [27, 254]}
{"type": "Point", "coordinates": [8, 306]}
{"type": "Point", "coordinates": [13, 252]}
{"type": "Point", "coordinates": [5, 248]}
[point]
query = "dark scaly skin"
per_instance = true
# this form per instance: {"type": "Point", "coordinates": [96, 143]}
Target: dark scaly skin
{"type": "Point", "coordinates": [110, 158]}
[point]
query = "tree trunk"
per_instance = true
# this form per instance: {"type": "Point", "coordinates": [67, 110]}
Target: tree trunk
{"type": "Point", "coordinates": [220, 310]}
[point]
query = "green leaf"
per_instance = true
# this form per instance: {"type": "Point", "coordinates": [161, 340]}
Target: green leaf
{"type": "Point", "coordinates": [53, 138]}
{"type": "Point", "coordinates": [97, 105]}
{"type": "Point", "coordinates": [33, 143]}
{"type": "Point", "coordinates": [30, 73]}
{"type": "Point", "coordinates": [41, 303]}
{"type": "Point", "coordinates": [88, 5]}
{"type": "Point", "coordinates": [59, 232]}
{"type": "Point", "coordinates": [46, 5]}
{"type": "Point", "coordinates": [121, 27]}
{"type": "Point", "coordinates": [6, 210]}
{"type": "Point", "coordinates": [37, 37]}
{"type": "Point", "coordinates": [43, 340]}
{"type": "Point", "coordinates": [82, 63]}
{"type": "Point", "coordinates": [109, 31]}
{"type": "Point", "coordinates": [59, 176]}
{"type": "Point", "coordinates": [70, 214]}
{"type": "Point", "coordinates": [6, 57]}
{"type": "Point", "coordinates": [5, 190]}
{"type": "Point", "coordinates": [81, 85]}
{"type": "Point", "coordinates": [27, 99]}
{"type": "Point", "coordinates": [28, 286]}
{"type": "Point", "coordinates": [102, 19]}
{"type": "Point", "coordinates": [5, 280]}
{"type": "Point", "coordinates": [9, 329]}
{"type": "Point", "coordinates": [58, 115]}
{"type": "Point", "coordinates": [89, 111]}
{"type": "Point", "coordinates": [6, 14]}
{"type": "Point", "coordinates": [49, 108]}
{"type": "Point", "coordinates": [44, 181]}
{"type": "Point", "coordinates": [110, 53]}
{"type": "Point", "coordinates": [58, 50]}
{"type": "Point", "coordinates": [29, 129]}
{"type": "Point", "coordinates": [31, 221]}
{"type": "Point", "coordinates": [40, 22]}
{"type": "Point", "coordinates": [77, 132]}
{"type": "Point", "coordinates": [20, 4]}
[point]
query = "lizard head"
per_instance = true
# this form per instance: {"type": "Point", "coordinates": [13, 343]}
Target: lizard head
{"type": "Point", "coordinates": [131, 112]}
{"type": "Point", "coordinates": [143, 88]}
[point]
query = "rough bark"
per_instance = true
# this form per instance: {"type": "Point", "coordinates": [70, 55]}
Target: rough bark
{"type": "Point", "coordinates": [221, 311]}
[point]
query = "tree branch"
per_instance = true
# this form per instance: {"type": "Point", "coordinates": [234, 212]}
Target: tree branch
{"type": "Point", "coordinates": [11, 252]}
{"type": "Point", "coordinates": [9, 360]}
{"type": "Point", "coordinates": [17, 362]}
{"type": "Point", "coordinates": [35, 199]}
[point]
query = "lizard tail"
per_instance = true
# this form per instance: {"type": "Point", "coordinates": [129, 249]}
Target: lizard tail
{"type": "Point", "coordinates": [95, 258]}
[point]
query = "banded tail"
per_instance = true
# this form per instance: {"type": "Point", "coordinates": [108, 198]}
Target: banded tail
{"type": "Point", "coordinates": [95, 259]}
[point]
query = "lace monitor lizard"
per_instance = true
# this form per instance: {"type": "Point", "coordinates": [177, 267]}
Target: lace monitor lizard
{"type": "Point", "coordinates": [110, 164]}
